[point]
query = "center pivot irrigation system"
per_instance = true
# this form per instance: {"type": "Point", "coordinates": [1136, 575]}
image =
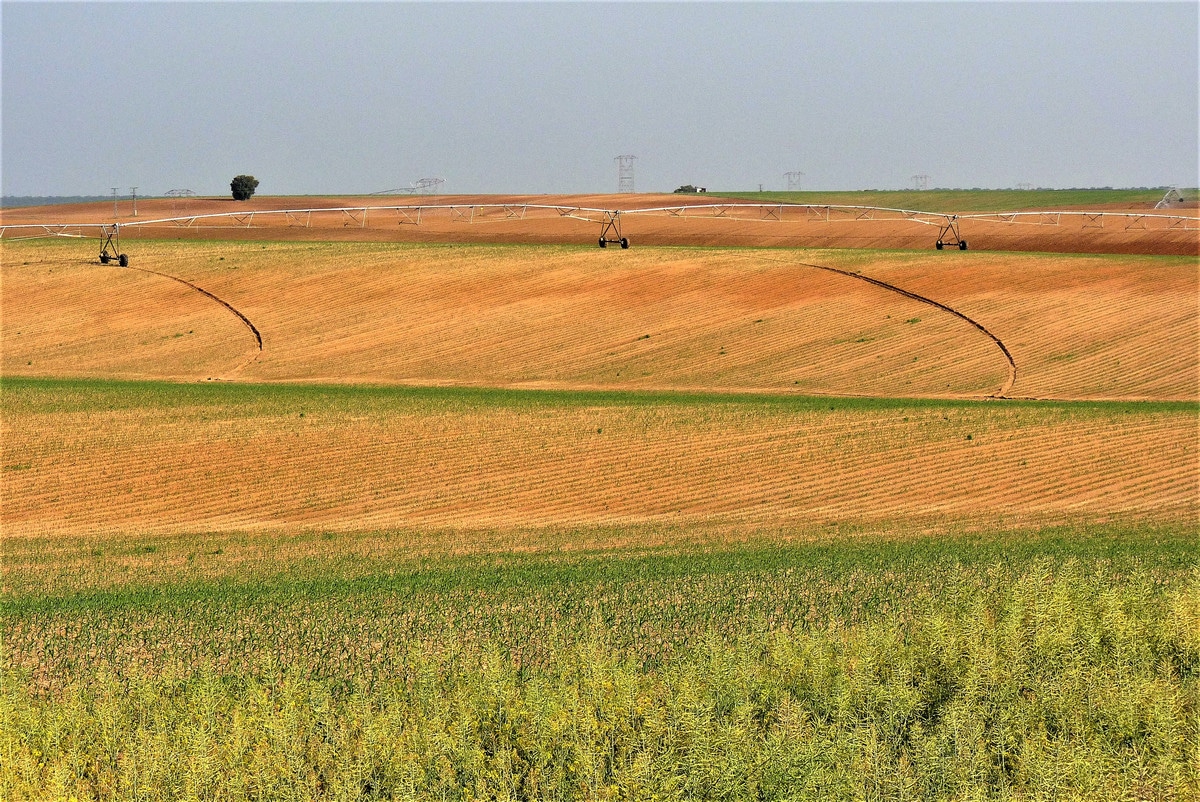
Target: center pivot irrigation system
{"type": "Point", "coordinates": [611, 232]}
{"type": "Point", "coordinates": [111, 238]}
{"type": "Point", "coordinates": [949, 232]}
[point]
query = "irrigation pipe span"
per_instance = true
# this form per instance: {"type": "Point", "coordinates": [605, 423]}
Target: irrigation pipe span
{"type": "Point", "coordinates": [744, 212]}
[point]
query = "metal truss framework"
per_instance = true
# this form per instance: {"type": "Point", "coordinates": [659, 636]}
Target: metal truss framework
{"type": "Point", "coordinates": [609, 219]}
{"type": "Point", "coordinates": [423, 186]}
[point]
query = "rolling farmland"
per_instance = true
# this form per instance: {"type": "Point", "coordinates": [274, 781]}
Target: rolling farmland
{"type": "Point", "coordinates": [1078, 327]}
{"type": "Point", "coordinates": [337, 513]}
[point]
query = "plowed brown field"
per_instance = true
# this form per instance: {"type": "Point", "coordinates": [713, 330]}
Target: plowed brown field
{"type": "Point", "coordinates": [456, 311]}
{"type": "Point", "coordinates": [663, 318]}
{"type": "Point", "coordinates": [250, 463]}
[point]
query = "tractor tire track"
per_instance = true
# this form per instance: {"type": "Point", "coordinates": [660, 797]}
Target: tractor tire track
{"type": "Point", "coordinates": [1012, 365]}
{"type": "Point", "coordinates": [253, 329]}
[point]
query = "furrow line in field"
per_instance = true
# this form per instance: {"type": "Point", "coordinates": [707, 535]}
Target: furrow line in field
{"type": "Point", "coordinates": [1176, 376]}
{"type": "Point", "coordinates": [945, 472]}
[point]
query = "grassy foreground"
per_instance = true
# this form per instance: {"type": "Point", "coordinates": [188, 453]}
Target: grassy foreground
{"type": "Point", "coordinates": [1028, 664]}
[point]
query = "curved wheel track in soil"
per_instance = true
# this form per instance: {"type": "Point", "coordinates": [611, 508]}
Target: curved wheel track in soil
{"type": "Point", "coordinates": [1012, 365]}
{"type": "Point", "coordinates": [999, 393]}
{"type": "Point", "coordinates": [253, 329]}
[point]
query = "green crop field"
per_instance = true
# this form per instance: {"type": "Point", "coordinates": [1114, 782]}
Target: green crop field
{"type": "Point", "coordinates": [856, 666]}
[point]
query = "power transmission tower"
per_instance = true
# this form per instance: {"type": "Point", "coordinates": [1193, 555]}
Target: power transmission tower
{"type": "Point", "coordinates": [175, 195]}
{"type": "Point", "coordinates": [429, 186]}
{"type": "Point", "coordinates": [625, 173]}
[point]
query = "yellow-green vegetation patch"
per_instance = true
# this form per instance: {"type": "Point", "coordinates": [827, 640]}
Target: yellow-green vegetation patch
{"type": "Point", "coordinates": [1024, 664]}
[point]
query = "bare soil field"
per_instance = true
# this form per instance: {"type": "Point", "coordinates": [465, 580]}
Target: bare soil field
{"type": "Point", "coordinates": [1076, 327]}
{"type": "Point", "coordinates": [123, 460]}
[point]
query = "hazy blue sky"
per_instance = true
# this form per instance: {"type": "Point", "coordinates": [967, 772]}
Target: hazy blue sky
{"type": "Point", "coordinates": [539, 97]}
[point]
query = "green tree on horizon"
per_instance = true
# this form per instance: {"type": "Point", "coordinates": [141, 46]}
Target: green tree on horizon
{"type": "Point", "coordinates": [243, 186]}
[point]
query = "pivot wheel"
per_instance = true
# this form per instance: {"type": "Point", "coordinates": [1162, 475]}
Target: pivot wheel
{"type": "Point", "coordinates": [104, 257]}
{"type": "Point", "coordinates": [624, 242]}
{"type": "Point", "coordinates": [603, 242]}
{"type": "Point", "coordinates": [962, 245]}
{"type": "Point", "coordinates": [123, 260]}
{"type": "Point", "coordinates": [940, 245]}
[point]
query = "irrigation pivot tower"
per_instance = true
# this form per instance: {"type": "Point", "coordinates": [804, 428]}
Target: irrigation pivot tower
{"type": "Point", "coordinates": [625, 173]}
{"type": "Point", "coordinates": [920, 181]}
{"type": "Point", "coordinates": [793, 180]}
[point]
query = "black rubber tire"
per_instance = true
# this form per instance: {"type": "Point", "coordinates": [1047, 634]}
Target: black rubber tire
{"type": "Point", "coordinates": [123, 261]}
{"type": "Point", "coordinates": [962, 245]}
{"type": "Point", "coordinates": [940, 245]}
{"type": "Point", "coordinates": [603, 242]}
{"type": "Point", "coordinates": [624, 243]}
{"type": "Point", "coordinates": [104, 258]}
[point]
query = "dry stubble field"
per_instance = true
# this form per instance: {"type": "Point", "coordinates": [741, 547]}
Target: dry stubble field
{"type": "Point", "coordinates": [413, 405]}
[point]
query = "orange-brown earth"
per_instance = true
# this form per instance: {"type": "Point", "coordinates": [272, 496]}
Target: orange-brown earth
{"type": "Point", "coordinates": [477, 465]}
{"type": "Point", "coordinates": [1077, 327]}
